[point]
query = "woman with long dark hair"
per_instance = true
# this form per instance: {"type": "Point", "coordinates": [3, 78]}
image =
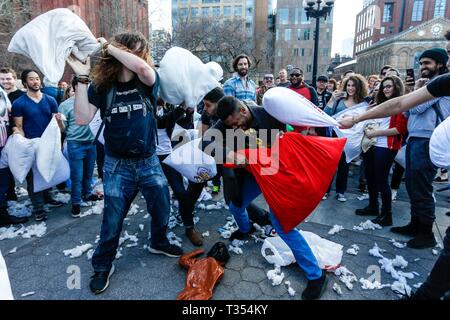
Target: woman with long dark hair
{"type": "Point", "coordinates": [380, 157]}
{"type": "Point", "coordinates": [354, 92]}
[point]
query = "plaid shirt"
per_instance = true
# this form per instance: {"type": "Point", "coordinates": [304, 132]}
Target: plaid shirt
{"type": "Point", "coordinates": [235, 87]}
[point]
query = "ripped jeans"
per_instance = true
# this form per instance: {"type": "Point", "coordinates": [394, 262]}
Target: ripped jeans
{"type": "Point", "coordinates": [123, 179]}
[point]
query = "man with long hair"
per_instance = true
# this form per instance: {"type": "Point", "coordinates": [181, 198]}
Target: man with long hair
{"type": "Point", "coordinates": [125, 88]}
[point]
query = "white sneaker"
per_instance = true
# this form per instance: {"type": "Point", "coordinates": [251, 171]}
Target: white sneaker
{"type": "Point", "coordinates": [341, 198]}
{"type": "Point", "coordinates": [394, 194]}
{"type": "Point", "coordinates": [325, 197]}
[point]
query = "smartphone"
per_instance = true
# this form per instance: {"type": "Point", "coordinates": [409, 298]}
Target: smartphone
{"type": "Point", "coordinates": [410, 74]}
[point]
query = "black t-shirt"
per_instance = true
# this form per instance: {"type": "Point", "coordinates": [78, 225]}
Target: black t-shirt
{"type": "Point", "coordinates": [130, 130]}
{"type": "Point", "coordinates": [13, 96]}
{"type": "Point", "coordinates": [324, 97]}
{"type": "Point", "coordinates": [440, 86]}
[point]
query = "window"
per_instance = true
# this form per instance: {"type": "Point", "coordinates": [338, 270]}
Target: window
{"type": "Point", "coordinates": [388, 12]}
{"type": "Point", "coordinates": [183, 12]}
{"type": "Point", "coordinates": [309, 68]}
{"type": "Point", "coordinates": [303, 52]}
{"type": "Point", "coordinates": [277, 35]}
{"type": "Point", "coordinates": [195, 12]}
{"type": "Point", "coordinates": [295, 52]}
{"type": "Point", "coordinates": [307, 34]}
{"type": "Point", "coordinates": [238, 11]}
{"type": "Point", "coordinates": [439, 8]}
{"type": "Point", "coordinates": [284, 16]}
{"type": "Point", "coordinates": [417, 11]}
{"type": "Point", "coordinates": [328, 34]}
{"type": "Point", "coordinates": [216, 11]}
{"type": "Point", "coordinates": [383, 30]}
{"type": "Point", "coordinates": [205, 11]}
{"type": "Point", "coordinates": [227, 12]}
{"type": "Point", "coordinates": [287, 34]}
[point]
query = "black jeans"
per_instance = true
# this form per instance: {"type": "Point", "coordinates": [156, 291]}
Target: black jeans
{"type": "Point", "coordinates": [397, 176]}
{"type": "Point", "coordinates": [420, 173]}
{"type": "Point", "coordinates": [378, 162]}
{"type": "Point", "coordinates": [186, 197]}
{"type": "Point", "coordinates": [341, 175]}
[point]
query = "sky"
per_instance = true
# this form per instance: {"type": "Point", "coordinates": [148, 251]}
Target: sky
{"type": "Point", "coordinates": [344, 20]}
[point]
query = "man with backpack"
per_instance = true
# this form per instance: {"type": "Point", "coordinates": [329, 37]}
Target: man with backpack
{"type": "Point", "coordinates": [125, 88]}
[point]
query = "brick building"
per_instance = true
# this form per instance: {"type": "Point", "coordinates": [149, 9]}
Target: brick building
{"type": "Point", "coordinates": [382, 19]}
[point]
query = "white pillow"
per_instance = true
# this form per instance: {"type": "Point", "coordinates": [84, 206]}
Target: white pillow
{"type": "Point", "coordinates": [440, 145]}
{"type": "Point", "coordinates": [192, 162]}
{"type": "Point", "coordinates": [19, 152]}
{"type": "Point", "coordinates": [48, 151]}
{"type": "Point", "coordinates": [289, 107]}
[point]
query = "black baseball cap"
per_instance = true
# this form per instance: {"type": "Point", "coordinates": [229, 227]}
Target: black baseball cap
{"type": "Point", "coordinates": [322, 78]}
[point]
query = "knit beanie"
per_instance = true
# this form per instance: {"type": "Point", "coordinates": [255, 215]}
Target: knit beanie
{"type": "Point", "coordinates": [437, 54]}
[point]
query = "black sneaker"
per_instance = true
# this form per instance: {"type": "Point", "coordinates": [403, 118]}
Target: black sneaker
{"type": "Point", "coordinates": [94, 197]}
{"type": "Point", "coordinates": [169, 250]}
{"type": "Point", "coordinates": [448, 214]}
{"type": "Point", "coordinates": [7, 219]}
{"type": "Point", "coordinates": [367, 211]}
{"type": "Point", "coordinates": [54, 203]}
{"type": "Point", "coordinates": [239, 235]}
{"type": "Point", "coordinates": [100, 281]}
{"type": "Point", "coordinates": [422, 241]}
{"type": "Point", "coordinates": [76, 211]}
{"type": "Point", "coordinates": [315, 288]}
{"type": "Point", "coordinates": [40, 216]}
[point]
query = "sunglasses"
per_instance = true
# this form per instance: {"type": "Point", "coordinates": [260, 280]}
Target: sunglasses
{"type": "Point", "coordinates": [268, 78]}
{"type": "Point", "coordinates": [296, 75]}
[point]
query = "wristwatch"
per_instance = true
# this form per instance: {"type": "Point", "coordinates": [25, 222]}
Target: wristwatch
{"type": "Point", "coordinates": [84, 79]}
{"type": "Point", "coordinates": [105, 49]}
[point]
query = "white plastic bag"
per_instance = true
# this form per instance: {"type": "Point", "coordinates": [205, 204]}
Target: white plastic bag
{"type": "Point", "coordinates": [289, 107]}
{"type": "Point", "coordinates": [192, 162]}
{"type": "Point", "coordinates": [48, 151]}
{"type": "Point", "coordinates": [328, 253]}
{"type": "Point", "coordinates": [62, 174]}
{"type": "Point", "coordinates": [185, 78]}
{"type": "Point", "coordinates": [440, 145]}
{"type": "Point", "coordinates": [216, 70]}
{"type": "Point", "coordinates": [355, 134]}
{"type": "Point", "coordinates": [19, 152]}
{"type": "Point", "coordinates": [400, 158]}
{"type": "Point", "coordinates": [5, 285]}
{"type": "Point", "coordinates": [95, 124]}
{"type": "Point", "coordinates": [50, 38]}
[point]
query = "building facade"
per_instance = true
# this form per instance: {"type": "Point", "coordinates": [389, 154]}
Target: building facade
{"type": "Point", "coordinates": [294, 39]}
{"type": "Point", "coordinates": [257, 19]}
{"type": "Point", "coordinates": [403, 50]}
{"type": "Point", "coordinates": [381, 19]}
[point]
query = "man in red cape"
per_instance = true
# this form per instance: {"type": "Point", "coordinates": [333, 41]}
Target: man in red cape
{"type": "Point", "coordinates": [293, 182]}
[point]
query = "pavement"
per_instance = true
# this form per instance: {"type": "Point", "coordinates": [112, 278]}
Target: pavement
{"type": "Point", "coordinates": [39, 270]}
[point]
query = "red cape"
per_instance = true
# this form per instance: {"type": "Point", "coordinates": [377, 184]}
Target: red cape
{"type": "Point", "coordinates": [295, 185]}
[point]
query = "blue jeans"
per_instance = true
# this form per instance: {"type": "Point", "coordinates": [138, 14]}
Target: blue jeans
{"type": "Point", "coordinates": [419, 176]}
{"type": "Point", "coordinates": [378, 162]}
{"type": "Point", "coordinates": [294, 240]}
{"type": "Point", "coordinates": [123, 179]}
{"type": "Point", "coordinates": [81, 160]}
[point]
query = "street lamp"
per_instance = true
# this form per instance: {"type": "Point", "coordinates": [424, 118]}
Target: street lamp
{"type": "Point", "coordinates": [317, 12]}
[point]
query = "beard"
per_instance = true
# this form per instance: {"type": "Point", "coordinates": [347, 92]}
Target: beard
{"type": "Point", "coordinates": [243, 72]}
{"type": "Point", "coordinates": [429, 73]}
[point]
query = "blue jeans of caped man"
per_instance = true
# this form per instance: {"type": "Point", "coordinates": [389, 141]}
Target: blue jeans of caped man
{"type": "Point", "coordinates": [81, 160]}
{"type": "Point", "coordinates": [123, 179]}
{"type": "Point", "coordinates": [294, 240]}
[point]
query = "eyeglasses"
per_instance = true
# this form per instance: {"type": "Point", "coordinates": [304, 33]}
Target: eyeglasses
{"type": "Point", "coordinates": [268, 78]}
{"type": "Point", "coordinates": [297, 75]}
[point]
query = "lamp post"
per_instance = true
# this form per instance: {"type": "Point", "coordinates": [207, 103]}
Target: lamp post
{"type": "Point", "coordinates": [317, 12]}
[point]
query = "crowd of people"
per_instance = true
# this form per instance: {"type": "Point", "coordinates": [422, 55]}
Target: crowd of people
{"type": "Point", "coordinates": [138, 127]}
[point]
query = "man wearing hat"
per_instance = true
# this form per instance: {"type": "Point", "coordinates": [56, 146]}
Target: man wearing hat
{"type": "Point", "coordinates": [322, 92]}
{"type": "Point", "coordinates": [420, 171]}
